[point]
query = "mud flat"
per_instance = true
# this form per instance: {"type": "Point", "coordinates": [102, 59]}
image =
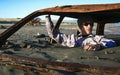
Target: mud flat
{"type": "Point", "coordinates": [22, 43]}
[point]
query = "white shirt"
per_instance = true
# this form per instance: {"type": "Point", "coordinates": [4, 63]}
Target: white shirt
{"type": "Point", "coordinates": [73, 40]}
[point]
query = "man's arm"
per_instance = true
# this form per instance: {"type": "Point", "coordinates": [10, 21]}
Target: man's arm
{"type": "Point", "coordinates": [61, 38]}
{"type": "Point", "coordinates": [57, 36]}
{"type": "Point", "coordinates": [49, 26]}
{"type": "Point", "coordinates": [99, 43]}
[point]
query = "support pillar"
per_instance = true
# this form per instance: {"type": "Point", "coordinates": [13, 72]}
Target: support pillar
{"type": "Point", "coordinates": [56, 28]}
{"type": "Point", "coordinates": [100, 28]}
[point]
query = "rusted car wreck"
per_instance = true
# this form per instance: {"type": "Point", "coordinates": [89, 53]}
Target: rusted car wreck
{"type": "Point", "coordinates": [101, 13]}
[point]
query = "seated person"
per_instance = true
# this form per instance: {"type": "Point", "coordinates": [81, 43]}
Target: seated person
{"type": "Point", "coordinates": [85, 39]}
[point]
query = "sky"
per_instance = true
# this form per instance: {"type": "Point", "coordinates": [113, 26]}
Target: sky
{"type": "Point", "coordinates": [22, 8]}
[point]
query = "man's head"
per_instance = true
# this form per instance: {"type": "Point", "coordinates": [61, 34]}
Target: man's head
{"type": "Point", "coordinates": [85, 24]}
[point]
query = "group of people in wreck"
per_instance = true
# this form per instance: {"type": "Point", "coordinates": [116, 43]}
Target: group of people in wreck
{"type": "Point", "coordinates": [84, 39]}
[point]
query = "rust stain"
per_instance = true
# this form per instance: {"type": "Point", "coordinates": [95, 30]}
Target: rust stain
{"type": "Point", "coordinates": [83, 8]}
{"type": "Point", "coordinates": [69, 67]}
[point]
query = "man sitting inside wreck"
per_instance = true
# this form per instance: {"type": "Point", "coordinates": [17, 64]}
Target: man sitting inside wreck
{"type": "Point", "coordinates": [85, 39]}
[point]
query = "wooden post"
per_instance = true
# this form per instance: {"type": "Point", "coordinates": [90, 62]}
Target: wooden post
{"type": "Point", "coordinates": [100, 28]}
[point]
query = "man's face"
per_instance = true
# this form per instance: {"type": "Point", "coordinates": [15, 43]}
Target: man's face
{"type": "Point", "coordinates": [86, 27]}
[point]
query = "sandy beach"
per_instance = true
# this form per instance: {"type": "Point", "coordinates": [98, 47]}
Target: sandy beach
{"type": "Point", "coordinates": [22, 43]}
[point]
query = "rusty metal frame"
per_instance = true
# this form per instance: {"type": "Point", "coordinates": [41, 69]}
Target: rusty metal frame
{"type": "Point", "coordinates": [101, 13]}
{"type": "Point", "coordinates": [28, 62]}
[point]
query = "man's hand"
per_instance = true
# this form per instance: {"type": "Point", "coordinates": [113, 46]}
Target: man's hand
{"type": "Point", "coordinates": [92, 47]}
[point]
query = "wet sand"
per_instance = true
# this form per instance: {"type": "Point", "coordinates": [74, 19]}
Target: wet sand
{"type": "Point", "coordinates": [24, 44]}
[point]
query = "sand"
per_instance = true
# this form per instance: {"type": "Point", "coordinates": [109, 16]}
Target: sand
{"type": "Point", "coordinates": [22, 43]}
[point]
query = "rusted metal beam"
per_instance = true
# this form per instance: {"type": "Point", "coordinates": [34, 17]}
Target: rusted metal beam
{"type": "Point", "coordinates": [100, 28]}
{"type": "Point", "coordinates": [58, 22]}
{"type": "Point", "coordinates": [69, 67]}
{"type": "Point", "coordinates": [56, 27]}
{"type": "Point", "coordinates": [7, 33]}
{"type": "Point", "coordinates": [30, 68]}
{"type": "Point", "coordinates": [112, 11]}
{"type": "Point", "coordinates": [83, 8]}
